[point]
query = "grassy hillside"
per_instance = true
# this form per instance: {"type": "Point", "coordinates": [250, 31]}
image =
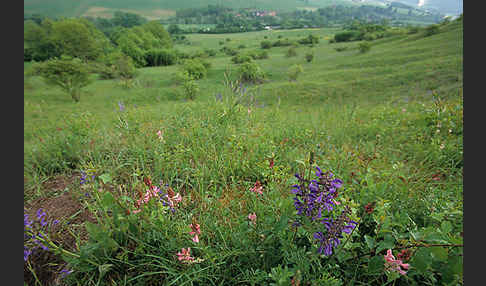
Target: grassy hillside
{"type": "Point", "coordinates": [74, 8]}
{"type": "Point", "coordinates": [388, 123]}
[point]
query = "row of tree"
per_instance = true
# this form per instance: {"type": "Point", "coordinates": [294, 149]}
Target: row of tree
{"type": "Point", "coordinates": [229, 20]}
{"type": "Point", "coordinates": [80, 38]}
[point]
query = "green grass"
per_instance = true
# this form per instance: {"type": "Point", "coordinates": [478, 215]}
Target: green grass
{"type": "Point", "coordinates": [370, 118]}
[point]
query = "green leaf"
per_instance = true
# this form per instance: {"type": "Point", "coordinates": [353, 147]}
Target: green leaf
{"type": "Point", "coordinates": [376, 265]}
{"type": "Point", "coordinates": [106, 178]}
{"type": "Point", "coordinates": [421, 260]}
{"type": "Point", "coordinates": [446, 227]}
{"type": "Point", "coordinates": [439, 253]}
{"type": "Point", "coordinates": [387, 243]}
{"type": "Point", "coordinates": [370, 241]}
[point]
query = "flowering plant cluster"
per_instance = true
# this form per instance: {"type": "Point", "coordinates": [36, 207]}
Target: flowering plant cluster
{"type": "Point", "coordinates": [36, 232]}
{"type": "Point", "coordinates": [392, 264]}
{"type": "Point", "coordinates": [316, 200]}
{"type": "Point", "coordinates": [169, 198]}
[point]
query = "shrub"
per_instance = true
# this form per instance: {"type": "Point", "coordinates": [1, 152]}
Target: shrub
{"type": "Point", "coordinates": [309, 40]}
{"type": "Point", "coordinates": [364, 47]}
{"type": "Point", "coordinates": [70, 74]}
{"type": "Point", "coordinates": [251, 72]}
{"type": "Point", "coordinates": [210, 52]}
{"type": "Point", "coordinates": [188, 85]}
{"type": "Point", "coordinates": [309, 56]}
{"type": "Point", "coordinates": [341, 49]}
{"type": "Point", "coordinates": [195, 68]}
{"type": "Point", "coordinates": [160, 57]}
{"type": "Point", "coordinates": [294, 71]}
{"type": "Point", "coordinates": [431, 30]}
{"type": "Point", "coordinates": [238, 59]}
{"type": "Point", "coordinates": [265, 44]}
{"type": "Point", "coordinates": [221, 43]}
{"type": "Point", "coordinates": [229, 51]}
{"type": "Point", "coordinates": [228, 39]}
{"type": "Point", "coordinates": [346, 36]}
{"type": "Point", "coordinates": [241, 46]}
{"type": "Point", "coordinates": [413, 30]}
{"type": "Point", "coordinates": [291, 52]}
{"type": "Point", "coordinates": [284, 43]}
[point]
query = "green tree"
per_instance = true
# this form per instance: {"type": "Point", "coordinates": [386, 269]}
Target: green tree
{"type": "Point", "coordinates": [72, 37]}
{"type": "Point", "coordinates": [37, 42]}
{"type": "Point", "coordinates": [71, 75]}
{"type": "Point", "coordinates": [127, 20]}
{"type": "Point", "coordinates": [161, 34]}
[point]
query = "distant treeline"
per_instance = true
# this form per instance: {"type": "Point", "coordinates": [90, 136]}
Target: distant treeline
{"type": "Point", "coordinates": [249, 19]}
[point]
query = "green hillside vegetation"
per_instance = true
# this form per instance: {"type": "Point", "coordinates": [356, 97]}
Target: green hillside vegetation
{"type": "Point", "coordinates": [388, 123]}
{"type": "Point", "coordinates": [76, 8]}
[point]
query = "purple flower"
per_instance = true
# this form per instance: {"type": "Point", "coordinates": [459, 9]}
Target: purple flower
{"type": "Point", "coordinates": [65, 273]}
{"type": "Point", "coordinates": [27, 252]}
{"type": "Point", "coordinates": [334, 228]}
{"type": "Point", "coordinates": [121, 106]}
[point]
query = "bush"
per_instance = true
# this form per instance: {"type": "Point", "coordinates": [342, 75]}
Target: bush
{"type": "Point", "coordinates": [294, 71]}
{"type": "Point", "coordinates": [364, 47]}
{"type": "Point", "coordinates": [309, 56]}
{"type": "Point", "coordinates": [210, 52]}
{"type": "Point", "coordinates": [347, 36]}
{"type": "Point", "coordinates": [251, 72]}
{"type": "Point", "coordinates": [241, 46]}
{"type": "Point", "coordinates": [160, 57]}
{"type": "Point", "coordinates": [284, 43]}
{"type": "Point", "coordinates": [239, 59]}
{"type": "Point", "coordinates": [70, 74]}
{"type": "Point", "coordinates": [265, 44]}
{"type": "Point", "coordinates": [291, 52]}
{"type": "Point", "coordinates": [431, 30]}
{"type": "Point", "coordinates": [229, 51]}
{"type": "Point", "coordinates": [195, 68]}
{"type": "Point", "coordinates": [309, 40]}
{"type": "Point", "coordinates": [189, 86]}
{"type": "Point", "coordinates": [341, 49]}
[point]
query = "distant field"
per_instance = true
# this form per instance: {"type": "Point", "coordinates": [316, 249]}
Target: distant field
{"type": "Point", "coordinates": [151, 14]}
{"type": "Point", "coordinates": [156, 8]}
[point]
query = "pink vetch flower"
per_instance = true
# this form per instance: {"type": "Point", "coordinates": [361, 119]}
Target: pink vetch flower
{"type": "Point", "coordinates": [392, 264]}
{"type": "Point", "coordinates": [257, 188]}
{"type": "Point", "coordinates": [185, 255]}
{"type": "Point", "coordinates": [159, 134]}
{"type": "Point", "coordinates": [196, 230]}
{"type": "Point", "coordinates": [150, 193]}
{"type": "Point", "coordinates": [252, 217]}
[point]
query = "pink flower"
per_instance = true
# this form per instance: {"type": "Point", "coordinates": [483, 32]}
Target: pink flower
{"type": "Point", "coordinates": [159, 134]}
{"type": "Point", "coordinates": [392, 264]}
{"type": "Point", "coordinates": [196, 230]}
{"type": "Point", "coordinates": [252, 217]}
{"type": "Point", "coordinates": [257, 188]}
{"type": "Point", "coordinates": [185, 255]}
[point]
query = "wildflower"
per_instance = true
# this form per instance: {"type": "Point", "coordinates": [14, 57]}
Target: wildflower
{"type": "Point", "coordinates": [442, 146]}
{"type": "Point", "coordinates": [159, 134]}
{"type": "Point", "coordinates": [257, 188]}
{"type": "Point", "coordinates": [252, 217]}
{"type": "Point", "coordinates": [65, 273]}
{"type": "Point", "coordinates": [392, 264]}
{"type": "Point", "coordinates": [335, 228]}
{"type": "Point", "coordinates": [196, 230]}
{"type": "Point", "coordinates": [27, 252]}
{"type": "Point", "coordinates": [83, 177]}
{"type": "Point", "coordinates": [271, 163]}
{"type": "Point", "coordinates": [219, 97]}
{"type": "Point", "coordinates": [369, 208]}
{"type": "Point", "coordinates": [185, 255]}
{"type": "Point", "coordinates": [121, 106]}
{"type": "Point", "coordinates": [405, 254]}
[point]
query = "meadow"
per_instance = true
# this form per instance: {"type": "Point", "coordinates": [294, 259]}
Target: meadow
{"type": "Point", "coordinates": [387, 123]}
